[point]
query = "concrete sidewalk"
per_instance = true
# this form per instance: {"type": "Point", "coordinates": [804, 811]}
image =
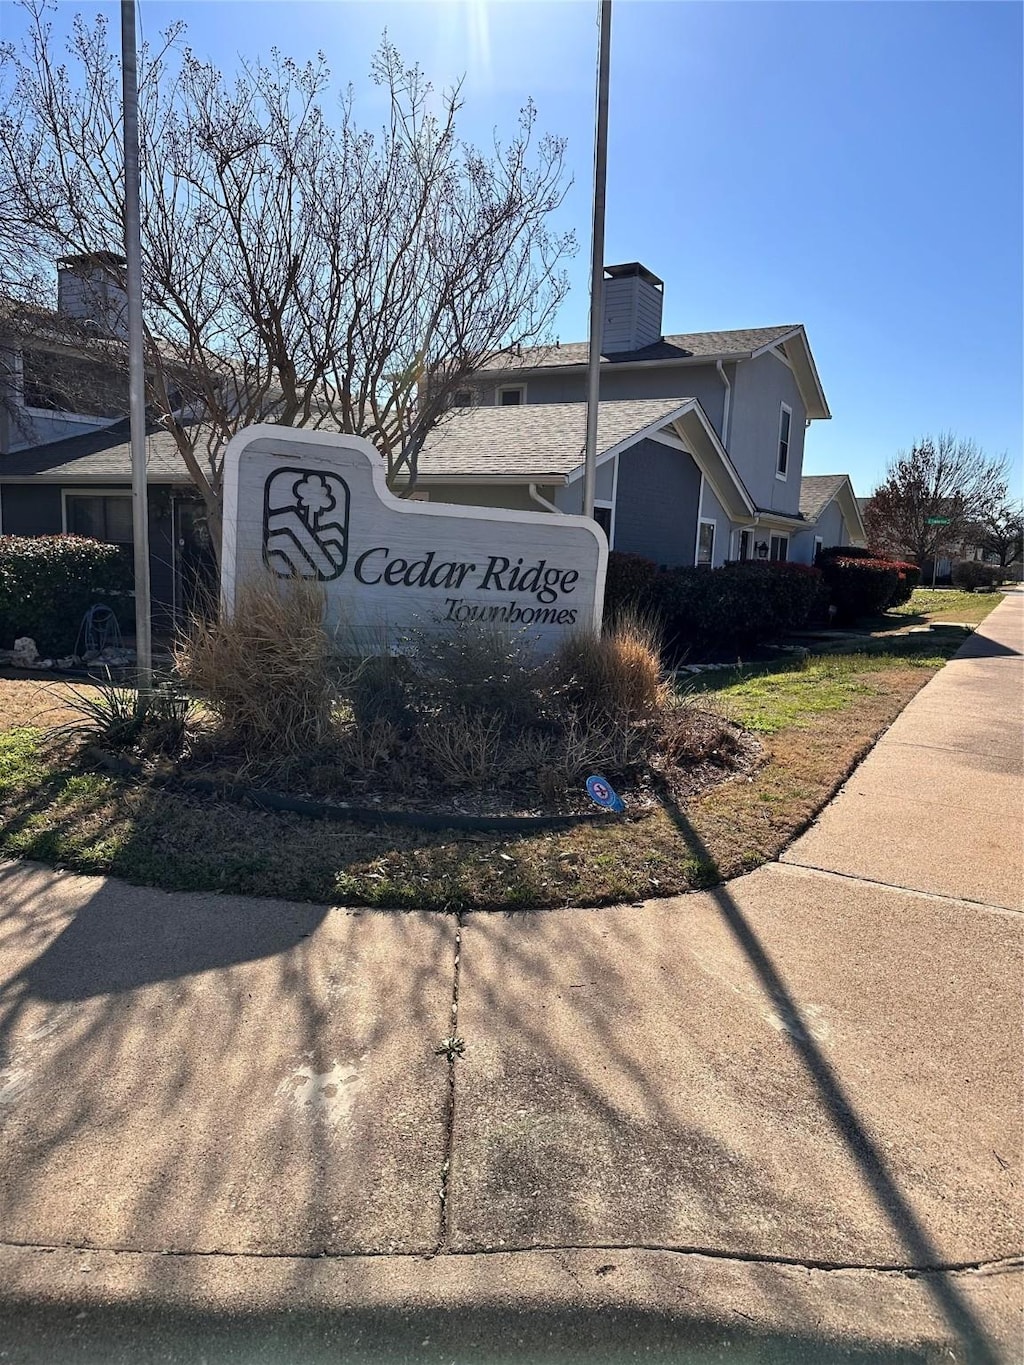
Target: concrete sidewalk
{"type": "Point", "coordinates": [779, 1121]}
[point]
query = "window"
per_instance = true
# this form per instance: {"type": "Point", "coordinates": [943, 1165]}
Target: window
{"type": "Point", "coordinates": [779, 552]}
{"type": "Point", "coordinates": [706, 542]}
{"type": "Point", "coordinates": [61, 383]}
{"type": "Point", "coordinates": [102, 516]}
{"type": "Point", "coordinates": [512, 396]}
{"type": "Point", "coordinates": [785, 424]}
{"type": "Point", "coordinates": [818, 543]}
{"type": "Point", "coordinates": [743, 546]}
{"type": "Point", "coordinates": [603, 517]}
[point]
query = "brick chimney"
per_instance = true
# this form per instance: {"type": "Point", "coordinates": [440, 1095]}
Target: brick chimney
{"type": "Point", "coordinates": [633, 298]}
{"type": "Point", "coordinates": [90, 290]}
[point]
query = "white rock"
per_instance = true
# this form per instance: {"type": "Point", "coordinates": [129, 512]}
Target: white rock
{"type": "Point", "coordinates": [25, 654]}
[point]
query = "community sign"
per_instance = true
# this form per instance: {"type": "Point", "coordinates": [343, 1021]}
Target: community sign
{"type": "Point", "coordinates": [315, 505]}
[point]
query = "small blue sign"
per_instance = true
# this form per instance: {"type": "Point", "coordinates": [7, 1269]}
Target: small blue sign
{"type": "Point", "coordinates": [601, 794]}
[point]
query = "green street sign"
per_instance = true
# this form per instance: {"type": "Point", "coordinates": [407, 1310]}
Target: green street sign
{"type": "Point", "coordinates": [937, 521]}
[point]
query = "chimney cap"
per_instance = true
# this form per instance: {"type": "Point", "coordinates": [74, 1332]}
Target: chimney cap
{"type": "Point", "coordinates": [631, 268]}
{"type": "Point", "coordinates": [88, 258]}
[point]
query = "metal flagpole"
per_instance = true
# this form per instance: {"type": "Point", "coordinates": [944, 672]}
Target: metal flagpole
{"type": "Point", "coordinates": [597, 260]}
{"type": "Point", "coordinates": [136, 362]}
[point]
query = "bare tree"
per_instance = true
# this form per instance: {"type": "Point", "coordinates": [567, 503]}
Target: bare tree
{"type": "Point", "coordinates": [932, 495]}
{"type": "Point", "coordinates": [297, 268]}
{"type": "Point", "coordinates": [1001, 533]}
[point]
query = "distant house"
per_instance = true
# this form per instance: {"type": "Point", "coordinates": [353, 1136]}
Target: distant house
{"type": "Point", "coordinates": [701, 437]}
{"type": "Point", "coordinates": [65, 454]}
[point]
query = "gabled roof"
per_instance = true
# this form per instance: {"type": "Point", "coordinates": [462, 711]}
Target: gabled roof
{"type": "Point", "coordinates": [104, 455]}
{"type": "Point", "coordinates": [544, 443]}
{"type": "Point", "coordinates": [535, 441]}
{"type": "Point", "coordinates": [818, 490]}
{"type": "Point", "coordinates": [681, 346]}
{"type": "Point", "coordinates": [685, 348]}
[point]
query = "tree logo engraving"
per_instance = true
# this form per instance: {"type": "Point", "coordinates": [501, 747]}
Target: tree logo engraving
{"type": "Point", "coordinates": [305, 524]}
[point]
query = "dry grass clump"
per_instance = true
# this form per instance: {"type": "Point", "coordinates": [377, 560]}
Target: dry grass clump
{"type": "Point", "coordinates": [617, 673]}
{"type": "Point", "coordinates": [468, 711]}
{"type": "Point", "coordinates": [265, 671]}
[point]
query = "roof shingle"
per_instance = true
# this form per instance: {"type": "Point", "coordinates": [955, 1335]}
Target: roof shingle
{"type": "Point", "coordinates": [105, 454]}
{"type": "Point", "coordinates": [817, 491]}
{"type": "Point", "coordinates": [679, 346]}
{"type": "Point", "coordinates": [533, 440]}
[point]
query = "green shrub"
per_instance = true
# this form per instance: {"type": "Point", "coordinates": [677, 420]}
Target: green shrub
{"type": "Point", "coordinates": [908, 574]}
{"type": "Point", "coordinates": [739, 605]}
{"type": "Point", "coordinates": [631, 586]}
{"type": "Point", "coordinates": [859, 587]}
{"type": "Point", "coordinates": [970, 574]}
{"type": "Point", "coordinates": [909, 579]}
{"type": "Point", "coordinates": [123, 718]}
{"type": "Point", "coordinates": [48, 583]}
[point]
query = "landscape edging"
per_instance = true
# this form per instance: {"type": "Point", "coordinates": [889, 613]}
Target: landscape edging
{"type": "Point", "coordinates": [364, 815]}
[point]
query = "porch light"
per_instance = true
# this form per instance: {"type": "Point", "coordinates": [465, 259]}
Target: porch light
{"type": "Point", "coordinates": [761, 549]}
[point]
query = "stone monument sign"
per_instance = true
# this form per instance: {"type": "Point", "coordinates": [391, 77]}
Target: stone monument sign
{"type": "Point", "coordinates": [315, 505]}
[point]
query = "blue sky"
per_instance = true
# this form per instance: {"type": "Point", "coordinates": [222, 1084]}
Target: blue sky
{"type": "Point", "coordinates": [853, 166]}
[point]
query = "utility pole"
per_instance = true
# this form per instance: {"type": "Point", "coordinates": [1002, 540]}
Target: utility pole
{"type": "Point", "coordinates": [597, 259]}
{"type": "Point", "coordinates": [136, 361]}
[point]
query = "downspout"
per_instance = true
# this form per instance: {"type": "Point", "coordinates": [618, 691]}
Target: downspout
{"type": "Point", "coordinates": [727, 403]}
{"type": "Point", "coordinates": [540, 500]}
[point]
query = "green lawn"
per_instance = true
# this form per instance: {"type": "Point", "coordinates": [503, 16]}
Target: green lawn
{"type": "Point", "coordinates": [814, 718]}
{"type": "Point", "coordinates": [944, 605]}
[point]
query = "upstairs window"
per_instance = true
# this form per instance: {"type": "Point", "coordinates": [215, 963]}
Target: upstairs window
{"type": "Point", "coordinates": [512, 396]}
{"type": "Point", "coordinates": [785, 423]}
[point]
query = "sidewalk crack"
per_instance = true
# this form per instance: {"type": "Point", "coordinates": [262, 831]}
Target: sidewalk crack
{"type": "Point", "coordinates": [452, 1046]}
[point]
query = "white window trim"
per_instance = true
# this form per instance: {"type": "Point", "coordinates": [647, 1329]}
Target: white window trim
{"type": "Point", "coordinates": [778, 535]}
{"type": "Point", "coordinates": [819, 544]}
{"type": "Point", "coordinates": [509, 388]}
{"type": "Point", "coordinates": [706, 521]}
{"type": "Point", "coordinates": [612, 502]}
{"type": "Point", "coordinates": [784, 407]}
{"type": "Point", "coordinates": [737, 539]}
{"type": "Point", "coordinates": [87, 491]}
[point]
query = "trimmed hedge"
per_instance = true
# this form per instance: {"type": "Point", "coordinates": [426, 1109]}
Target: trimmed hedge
{"type": "Point", "coordinates": [858, 586]}
{"type": "Point", "coordinates": [741, 604]}
{"type": "Point", "coordinates": [910, 578]}
{"type": "Point", "coordinates": [632, 585]}
{"type": "Point", "coordinates": [908, 575]}
{"type": "Point", "coordinates": [48, 583]}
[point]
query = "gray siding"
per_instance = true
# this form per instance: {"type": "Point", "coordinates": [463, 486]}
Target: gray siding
{"type": "Point", "coordinates": [656, 506]}
{"type": "Point", "coordinates": [26, 429]}
{"type": "Point", "coordinates": [570, 497]}
{"type": "Point", "coordinates": [712, 510]}
{"type": "Point", "coordinates": [832, 529]}
{"type": "Point", "coordinates": [760, 387]}
{"type": "Point", "coordinates": [632, 314]}
{"type": "Point", "coordinates": [678, 381]}
{"type": "Point", "coordinates": [513, 496]}
{"type": "Point", "coordinates": [30, 509]}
